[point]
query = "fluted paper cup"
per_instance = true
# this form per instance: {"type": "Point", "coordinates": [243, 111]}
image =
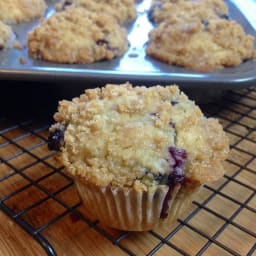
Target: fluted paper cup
{"type": "Point", "coordinates": [128, 209]}
{"type": "Point", "coordinates": [180, 204]}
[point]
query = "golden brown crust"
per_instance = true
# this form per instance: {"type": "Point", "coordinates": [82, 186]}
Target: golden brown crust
{"type": "Point", "coordinates": [120, 135]}
{"type": "Point", "coordinates": [122, 10]}
{"type": "Point", "coordinates": [202, 47]}
{"type": "Point", "coordinates": [77, 36]}
{"type": "Point", "coordinates": [207, 148]}
{"type": "Point", "coordinates": [15, 11]}
{"type": "Point", "coordinates": [187, 10]}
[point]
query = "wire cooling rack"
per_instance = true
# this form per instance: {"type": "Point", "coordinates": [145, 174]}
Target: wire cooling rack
{"type": "Point", "coordinates": [37, 194]}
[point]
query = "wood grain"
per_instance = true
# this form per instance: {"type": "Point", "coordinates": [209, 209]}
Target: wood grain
{"type": "Point", "coordinates": [14, 241]}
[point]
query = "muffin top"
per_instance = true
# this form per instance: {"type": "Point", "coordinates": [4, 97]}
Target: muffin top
{"type": "Point", "coordinates": [123, 10]}
{"type": "Point", "coordinates": [202, 46]}
{"type": "Point", "coordinates": [15, 11]}
{"type": "Point", "coordinates": [76, 35]}
{"type": "Point", "coordinates": [187, 10]}
{"type": "Point", "coordinates": [139, 137]}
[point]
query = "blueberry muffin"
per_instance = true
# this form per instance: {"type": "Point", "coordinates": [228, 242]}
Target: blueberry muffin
{"type": "Point", "coordinates": [201, 45]}
{"type": "Point", "coordinates": [137, 154]}
{"type": "Point", "coordinates": [187, 10]}
{"type": "Point", "coordinates": [77, 36]}
{"type": "Point", "coordinates": [15, 11]}
{"type": "Point", "coordinates": [6, 36]}
{"type": "Point", "coordinates": [123, 10]}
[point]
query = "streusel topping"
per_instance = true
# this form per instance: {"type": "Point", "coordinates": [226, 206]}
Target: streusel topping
{"type": "Point", "coordinates": [77, 36]}
{"type": "Point", "coordinates": [122, 10]}
{"type": "Point", "coordinates": [139, 137]}
{"type": "Point", "coordinates": [15, 11]}
{"type": "Point", "coordinates": [201, 45]}
{"type": "Point", "coordinates": [186, 11]}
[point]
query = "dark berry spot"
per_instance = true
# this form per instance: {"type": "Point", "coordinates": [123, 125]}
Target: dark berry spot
{"type": "Point", "coordinates": [56, 139]}
{"type": "Point", "coordinates": [106, 44]}
{"type": "Point", "coordinates": [174, 102]}
{"type": "Point", "coordinates": [146, 171]}
{"type": "Point", "coordinates": [154, 114]}
{"type": "Point", "coordinates": [172, 124]}
{"type": "Point", "coordinates": [224, 16]}
{"type": "Point", "coordinates": [161, 179]}
{"type": "Point", "coordinates": [102, 42]}
{"type": "Point", "coordinates": [179, 156]}
{"type": "Point", "coordinates": [205, 23]}
{"type": "Point", "coordinates": [67, 3]}
{"type": "Point", "coordinates": [165, 208]}
{"type": "Point", "coordinates": [176, 176]}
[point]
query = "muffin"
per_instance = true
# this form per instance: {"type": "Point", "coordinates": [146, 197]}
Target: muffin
{"type": "Point", "coordinates": [15, 11]}
{"type": "Point", "coordinates": [201, 45]}
{"type": "Point", "coordinates": [137, 154]}
{"type": "Point", "coordinates": [187, 10]}
{"type": "Point", "coordinates": [122, 10]}
{"type": "Point", "coordinates": [77, 36]}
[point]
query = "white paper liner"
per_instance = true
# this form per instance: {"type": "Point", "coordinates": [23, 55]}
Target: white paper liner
{"type": "Point", "coordinates": [128, 209]}
{"type": "Point", "coordinates": [179, 205]}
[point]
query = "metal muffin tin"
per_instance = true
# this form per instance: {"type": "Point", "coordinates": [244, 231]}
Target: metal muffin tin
{"type": "Point", "coordinates": [134, 66]}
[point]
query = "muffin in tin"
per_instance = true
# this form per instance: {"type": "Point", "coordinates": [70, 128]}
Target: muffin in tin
{"type": "Point", "coordinates": [201, 45]}
{"type": "Point", "coordinates": [76, 35]}
{"type": "Point", "coordinates": [137, 154]}
{"type": "Point", "coordinates": [16, 11]}
{"type": "Point", "coordinates": [122, 10]}
{"type": "Point", "coordinates": [187, 10]}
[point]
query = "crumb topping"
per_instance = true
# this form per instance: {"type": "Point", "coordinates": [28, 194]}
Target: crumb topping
{"type": "Point", "coordinates": [120, 135]}
{"type": "Point", "coordinates": [15, 11]}
{"type": "Point", "coordinates": [200, 45]}
{"type": "Point", "coordinates": [187, 10]}
{"type": "Point", "coordinates": [122, 10]}
{"type": "Point", "coordinates": [77, 36]}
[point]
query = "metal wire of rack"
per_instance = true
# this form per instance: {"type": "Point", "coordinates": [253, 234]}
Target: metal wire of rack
{"type": "Point", "coordinates": [27, 168]}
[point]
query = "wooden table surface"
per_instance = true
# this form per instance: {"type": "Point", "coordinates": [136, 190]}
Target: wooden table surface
{"type": "Point", "coordinates": [221, 221]}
